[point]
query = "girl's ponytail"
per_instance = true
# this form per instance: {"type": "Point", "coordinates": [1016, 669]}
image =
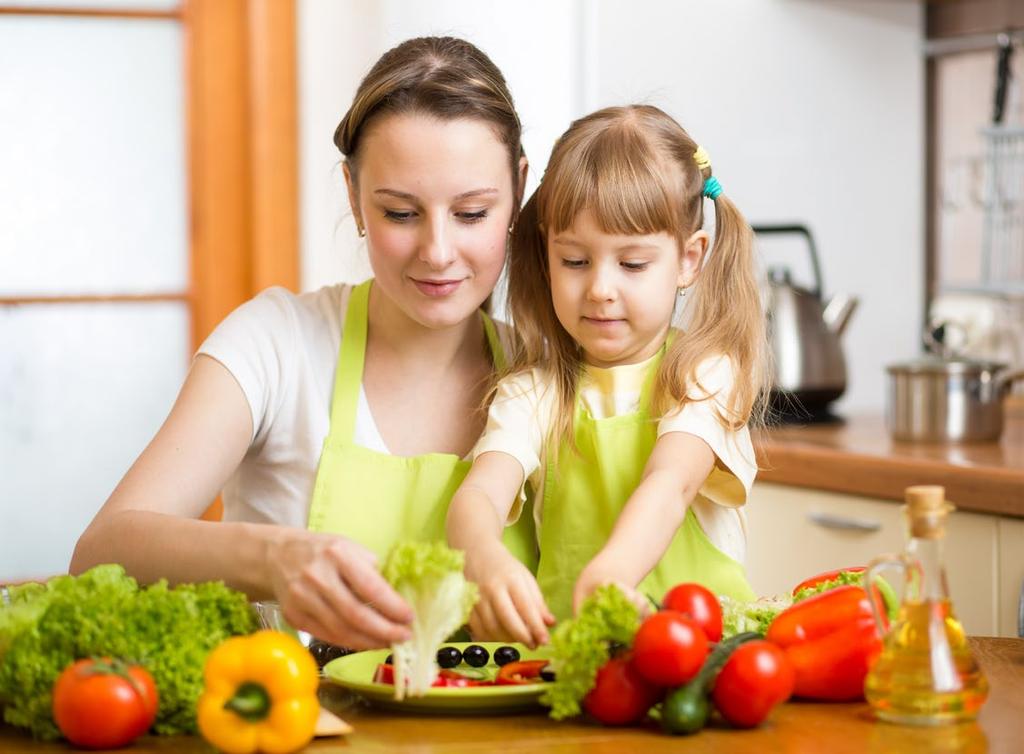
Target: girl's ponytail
{"type": "Point", "coordinates": [727, 318]}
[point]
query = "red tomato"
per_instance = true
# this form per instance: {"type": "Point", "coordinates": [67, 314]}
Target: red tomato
{"type": "Point", "coordinates": [669, 648]}
{"type": "Point", "coordinates": [700, 605]}
{"type": "Point", "coordinates": [104, 703]}
{"type": "Point", "coordinates": [756, 677]}
{"type": "Point", "coordinates": [620, 695]}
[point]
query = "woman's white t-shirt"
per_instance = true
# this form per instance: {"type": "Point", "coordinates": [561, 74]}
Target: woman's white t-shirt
{"type": "Point", "coordinates": [282, 349]}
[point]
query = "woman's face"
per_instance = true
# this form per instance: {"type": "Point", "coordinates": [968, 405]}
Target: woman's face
{"type": "Point", "coordinates": [436, 198]}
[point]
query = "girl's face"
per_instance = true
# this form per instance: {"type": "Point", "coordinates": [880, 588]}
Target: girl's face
{"type": "Point", "coordinates": [436, 198]}
{"type": "Point", "coordinates": [615, 294]}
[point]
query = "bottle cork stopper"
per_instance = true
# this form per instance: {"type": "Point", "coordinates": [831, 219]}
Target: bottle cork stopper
{"type": "Point", "coordinates": [927, 509]}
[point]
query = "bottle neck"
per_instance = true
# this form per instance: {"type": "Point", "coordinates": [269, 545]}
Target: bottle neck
{"type": "Point", "coordinates": [929, 582]}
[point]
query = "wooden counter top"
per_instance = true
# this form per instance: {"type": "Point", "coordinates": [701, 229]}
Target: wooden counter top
{"type": "Point", "coordinates": [859, 457]}
{"type": "Point", "coordinates": [796, 728]}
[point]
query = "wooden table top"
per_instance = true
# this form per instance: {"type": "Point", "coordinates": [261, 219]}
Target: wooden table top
{"type": "Point", "coordinates": [859, 457]}
{"type": "Point", "coordinates": [795, 728]}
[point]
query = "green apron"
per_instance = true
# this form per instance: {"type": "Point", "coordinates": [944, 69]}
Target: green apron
{"type": "Point", "coordinates": [585, 494]}
{"type": "Point", "coordinates": [379, 499]}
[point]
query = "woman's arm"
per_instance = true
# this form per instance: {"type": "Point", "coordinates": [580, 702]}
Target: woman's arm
{"type": "Point", "coordinates": [150, 525]}
{"type": "Point", "coordinates": [675, 471]}
{"type": "Point", "coordinates": [511, 604]}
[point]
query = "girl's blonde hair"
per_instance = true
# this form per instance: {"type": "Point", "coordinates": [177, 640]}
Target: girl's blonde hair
{"type": "Point", "coordinates": [633, 167]}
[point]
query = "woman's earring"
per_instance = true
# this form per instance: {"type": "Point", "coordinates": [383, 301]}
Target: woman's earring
{"type": "Point", "coordinates": [362, 231]}
{"type": "Point", "coordinates": [511, 228]}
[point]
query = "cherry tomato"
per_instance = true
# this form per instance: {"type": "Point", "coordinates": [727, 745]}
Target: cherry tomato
{"type": "Point", "coordinates": [756, 677]}
{"type": "Point", "coordinates": [669, 648]}
{"type": "Point", "coordinates": [698, 604]}
{"type": "Point", "coordinates": [104, 703]}
{"type": "Point", "coordinates": [520, 673]}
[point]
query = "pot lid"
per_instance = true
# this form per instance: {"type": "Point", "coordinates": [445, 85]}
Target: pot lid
{"type": "Point", "coordinates": [937, 365]}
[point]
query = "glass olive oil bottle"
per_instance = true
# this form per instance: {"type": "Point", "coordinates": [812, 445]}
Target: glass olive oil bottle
{"type": "Point", "coordinates": [926, 673]}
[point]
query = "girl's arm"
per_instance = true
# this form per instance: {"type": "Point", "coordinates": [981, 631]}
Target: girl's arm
{"type": "Point", "coordinates": [511, 604]}
{"type": "Point", "coordinates": [675, 471]}
{"type": "Point", "coordinates": [150, 525]}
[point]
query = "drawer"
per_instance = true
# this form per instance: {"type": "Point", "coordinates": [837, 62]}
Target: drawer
{"type": "Point", "coordinates": [793, 533]}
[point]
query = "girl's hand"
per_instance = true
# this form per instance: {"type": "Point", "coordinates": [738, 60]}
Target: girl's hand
{"type": "Point", "coordinates": [595, 575]}
{"type": "Point", "coordinates": [331, 587]}
{"type": "Point", "coordinates": [511, 607]}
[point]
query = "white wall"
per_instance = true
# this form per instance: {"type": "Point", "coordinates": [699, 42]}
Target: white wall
{"type": "Point", "coordinates": [534, 43]}
{"type": "Point", "coordinates": [812, 111]}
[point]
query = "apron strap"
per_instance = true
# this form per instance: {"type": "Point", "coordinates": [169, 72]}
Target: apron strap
{"type": "Point", "coordinates": [348, 375]}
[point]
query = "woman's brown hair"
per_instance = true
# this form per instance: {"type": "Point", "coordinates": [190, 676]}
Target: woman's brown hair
{"type": "Point", "coordinates": [633, 167]}
{"type": "Point", "coordinates": [444, 77]}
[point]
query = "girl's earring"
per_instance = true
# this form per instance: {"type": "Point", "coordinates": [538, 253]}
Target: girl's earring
{"type": "Point", "coordinates": [362, 231]}
{"type": "Point", "coordinates": [510, 228]}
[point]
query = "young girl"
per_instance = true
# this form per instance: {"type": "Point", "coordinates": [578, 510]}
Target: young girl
{"type": "Point", "coordinates": [632, 434]}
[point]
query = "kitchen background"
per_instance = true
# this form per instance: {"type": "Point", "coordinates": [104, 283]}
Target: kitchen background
{"type": "Point", "coordinates": [813, 111]}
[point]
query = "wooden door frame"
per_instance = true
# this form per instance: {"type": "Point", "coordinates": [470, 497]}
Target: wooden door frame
{"type": "Point", "coordinates": [243, 152]}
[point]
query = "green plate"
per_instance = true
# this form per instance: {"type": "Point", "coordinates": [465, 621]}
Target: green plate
{"type": "Point", "coordinates": [355, 673]}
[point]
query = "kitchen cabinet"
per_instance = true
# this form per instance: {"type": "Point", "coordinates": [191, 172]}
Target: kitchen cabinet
{"type": "Point", "coordinates": [793, 533]}
{"type": "Point", "coordinates": [1011, 575]}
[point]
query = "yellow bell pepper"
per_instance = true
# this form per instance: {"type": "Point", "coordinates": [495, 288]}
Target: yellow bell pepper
{"type": "Point", "coordinates": [259, 695]}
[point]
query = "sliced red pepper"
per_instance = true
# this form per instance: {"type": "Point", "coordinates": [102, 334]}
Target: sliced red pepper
{"type": "Point", "coordinates": [827, 576]}
{"type": "Point", "coordinates": [820, 615]}
{"type": "Point", "coordinates": [520, 673]}
{"type": "Point", "coordinates": [445, 679]}
{"type": "Point", "coordinates": [831, 641]}
{"type": "Point", "coordinates": [833, 667]}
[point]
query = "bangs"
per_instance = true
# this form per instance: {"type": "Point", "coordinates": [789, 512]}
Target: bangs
{"type": "Point", "coordinates": [617, 175]}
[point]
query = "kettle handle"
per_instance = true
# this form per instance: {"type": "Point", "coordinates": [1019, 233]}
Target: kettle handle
{"type": "Point", "coordinates": [796, 229]}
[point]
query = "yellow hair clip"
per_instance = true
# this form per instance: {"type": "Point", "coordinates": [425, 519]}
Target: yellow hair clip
{"type": "Point", "coordinates": [702, 158]}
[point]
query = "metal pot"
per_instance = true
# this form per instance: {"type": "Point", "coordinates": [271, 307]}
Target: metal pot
{"type": "Point", "coordinates": [948, 400]}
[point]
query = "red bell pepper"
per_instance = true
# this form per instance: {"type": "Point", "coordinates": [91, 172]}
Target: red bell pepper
{"type": "Point", "coordinates": [830, 640]}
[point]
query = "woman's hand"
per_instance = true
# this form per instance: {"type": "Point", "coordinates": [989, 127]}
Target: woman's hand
{"type": "Point", "coordinates": [511, 607]}
{"type": "Point", "coordinates": [331, 587]}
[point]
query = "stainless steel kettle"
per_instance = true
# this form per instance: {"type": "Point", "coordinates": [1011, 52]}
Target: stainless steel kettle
{"type": "Point", "coordinates": [804, 332]}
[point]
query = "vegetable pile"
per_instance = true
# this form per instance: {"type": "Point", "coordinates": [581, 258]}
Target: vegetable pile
{"type": "Point", "coordinates": [700, 652]}
{"type": "Point", "coordinates": [428, 575]}
{"type": "Point", "coordinates": [103, 612]}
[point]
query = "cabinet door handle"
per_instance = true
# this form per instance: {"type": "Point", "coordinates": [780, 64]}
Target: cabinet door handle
{"type": "Point", "coordinates": [844, 523]}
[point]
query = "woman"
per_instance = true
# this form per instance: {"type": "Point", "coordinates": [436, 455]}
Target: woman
{"type": "Point", "coordinates": [345, 410]}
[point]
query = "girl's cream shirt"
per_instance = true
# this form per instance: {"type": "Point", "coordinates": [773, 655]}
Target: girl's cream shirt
{"type": "Point", "coordinates": [523, 409]}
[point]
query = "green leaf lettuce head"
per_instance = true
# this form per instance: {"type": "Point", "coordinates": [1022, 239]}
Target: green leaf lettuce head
{"type": "Point", "coordinates": [103, 612]}
{"type": "Point", "coordinates": [739, 617]}
{"type": "Point", "coordinates": [580, 646]}
{"type": "Point", "coordinates": [428, 575]}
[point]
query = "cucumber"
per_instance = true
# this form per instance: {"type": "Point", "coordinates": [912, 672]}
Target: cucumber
{"type": "Point", "coordinates": [686, 709]}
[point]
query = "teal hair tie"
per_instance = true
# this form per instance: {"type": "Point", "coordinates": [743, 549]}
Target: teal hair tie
{"type": "Point", "coordinates": [712, 188]}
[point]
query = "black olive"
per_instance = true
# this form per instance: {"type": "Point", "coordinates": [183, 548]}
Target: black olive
{"type": "Point", "coordinates": [448, 657]}
{"type": "Point", "coordinates": [389, 660]}
{"type": "Point", "coordinates": [318, 649]}
{"type": "Point", "coordinates": [547, 674]}
{"type": "Point", "coordinates": [475, 656]}
{"type": "Point", "coordinates": [505, 655]}
{"type": "Point", "coordinates": [334, 652]}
